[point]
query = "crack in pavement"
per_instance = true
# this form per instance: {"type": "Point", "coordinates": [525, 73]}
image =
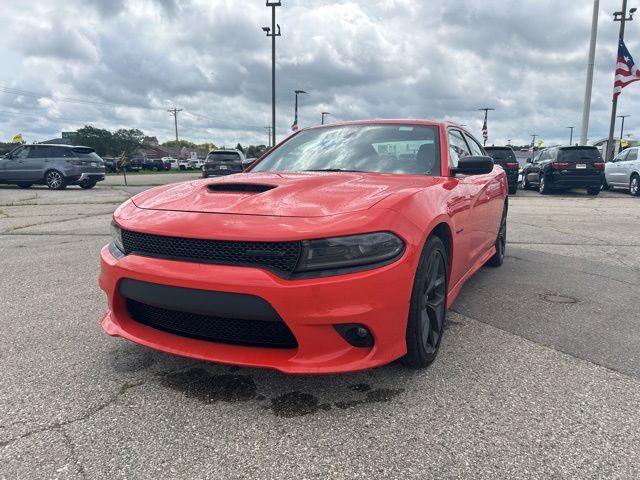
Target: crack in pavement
{"type": "Point", "coordinates": [72, 449]}
{"type": "Point", "coordinates": [93, 410]}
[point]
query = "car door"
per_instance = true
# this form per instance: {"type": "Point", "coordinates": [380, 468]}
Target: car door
{"type": "Point", "coordinates": [462, 203]}
{"type": "Point", "coordinates": [486, 215]}
{"type": "Point", "coordinates": [36, 161]}
{"type": "Point", "coordinates": [14, 167]}
{"type": "Point", "coordinates": [613, 169]}
{"type": "Point", "coordinates": [626, 166]}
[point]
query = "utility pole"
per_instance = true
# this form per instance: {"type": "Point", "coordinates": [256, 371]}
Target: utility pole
{"type": "Point", "coordinates": [509, 142]}
{"type": "Point", "coordinates": [174, 111]}
{"type": "Point", "coordinates": [571, 136]}
{"type": "Point", "coordinates": [622, 127]}
{"type": "Point", "coordinates": [271, 32]}
{"type": "Point", "coordinates": [622, 18]}
{"type": "Point", "coordinates": [533, 145]}
{"type": "Point", "coordinates": [323, 115]}
{"type": "Point", "coordinates": [485, 130]}
{"type": "Point", "coordinates": [586, 106]}
{"type": "Point", "coordinates": [268, 129]}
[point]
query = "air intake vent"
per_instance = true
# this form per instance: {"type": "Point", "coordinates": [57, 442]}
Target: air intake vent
{"type": "Point", "coordinates": [239, 187]}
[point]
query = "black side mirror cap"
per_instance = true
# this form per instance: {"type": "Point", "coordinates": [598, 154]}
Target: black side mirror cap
{"type": "Point", "coordinates": [473, 165]}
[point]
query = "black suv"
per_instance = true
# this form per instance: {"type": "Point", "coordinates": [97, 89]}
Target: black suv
{"type": "Point", "coordinates": [562, 168]}
{"type": "Point", "coordinates": [154, 164]}
{"type": "Point", "coordinates": [222, 162]}
{"type": "Point", "coordinates": [56, 166]}
{"type": "Point", "coordinates": [505, 157]}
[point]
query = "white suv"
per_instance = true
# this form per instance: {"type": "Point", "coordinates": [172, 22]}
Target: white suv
{"type": "Point", "coordinates": [624, 171]}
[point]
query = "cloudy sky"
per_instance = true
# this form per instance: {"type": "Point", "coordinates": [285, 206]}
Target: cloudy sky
{"type": "Point", "coordinates": [122, 63]}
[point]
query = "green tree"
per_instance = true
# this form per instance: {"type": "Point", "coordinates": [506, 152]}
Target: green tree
{"type": "Point", "coordinates": [99, 139]}
{"type": "Point", "coordinates": [128, 140]}
{"type": "Point", "coordinates": [239, 147]}
{"type": "Point", "coordinates": [179, 143]}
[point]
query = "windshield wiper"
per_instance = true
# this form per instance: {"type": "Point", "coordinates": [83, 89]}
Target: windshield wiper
{"type": "Point", "coordinates": [333, 170]}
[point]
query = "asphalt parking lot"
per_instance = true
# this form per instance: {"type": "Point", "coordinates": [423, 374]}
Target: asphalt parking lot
{"type": "Point", "coordinates": [538, 375]}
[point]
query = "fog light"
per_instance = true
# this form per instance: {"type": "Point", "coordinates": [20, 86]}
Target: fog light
{"type": "Point", "coordinates": [354, 334]}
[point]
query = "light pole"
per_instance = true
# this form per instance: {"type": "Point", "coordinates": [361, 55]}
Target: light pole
{"type": "Point", "coordinates": [509, 142]}
{"type": "Point", "coordinates": [586, 106]}
{"type": "Point", "coordinates": [622, 18]}
{"type": "Point", "coordinates": [485, 130]}
{"type": "Point", "coordinates": [571, 135]}
{"type": "Point", "coordinates": [622, 127]}
{"type": "Point", "coordinates": [271, 32]}
{"type": "Point", "coordinates": [295, 118]}
{"type": "Point", "coordinates": [323, 114]}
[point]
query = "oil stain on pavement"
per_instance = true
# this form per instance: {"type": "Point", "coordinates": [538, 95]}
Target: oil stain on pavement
{"type": "Point", "coordinates": [197, 383]}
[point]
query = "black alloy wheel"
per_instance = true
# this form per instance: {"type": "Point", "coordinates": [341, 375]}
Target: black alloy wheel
{"type": "Point", "coordinates": [634, 186]}
{"type": "Point", "coordinates": [501, 242]}
{"type": "Point", "coordinates": [55, 180]}
{"type": "Point", "coordinates": [428, 305]}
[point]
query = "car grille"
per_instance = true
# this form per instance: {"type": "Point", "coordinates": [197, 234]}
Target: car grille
{"type": "Point", "coordinates": [280, 256]}
{"type": "Point", "coordinates": [257, 333]}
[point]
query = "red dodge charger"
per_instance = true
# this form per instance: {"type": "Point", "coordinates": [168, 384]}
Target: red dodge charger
{"type": "Point", "coordinates": [341, 249]}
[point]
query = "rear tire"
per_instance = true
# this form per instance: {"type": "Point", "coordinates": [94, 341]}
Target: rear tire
{"type": "Point", "coordinates": [25, 185]}
{"type": "Point", "coordinates": [513, 189]}
{"type": "Point", "coordinates": [543, 187]}
{"type": "Point", "coordinates": [525, 183]}
{"type": "Point", "coordinates": [593, 190]}
{"type": "Point", "coordinates": [428, 307]}
{"type": "Point", "coordinates": [634, 185]}
{"type": "Point", "coordinates": [88, 185]}
{"type": "Point", "coordinates": [500, 243]}
{"type": "Point", "coordinates": [55, 180]}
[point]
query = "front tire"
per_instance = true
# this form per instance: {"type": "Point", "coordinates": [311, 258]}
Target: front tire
{"type": "Point", "coordinates": [25, 185]}
{"type": "Point", "coordinates": [593, 190]}
{"type": "Point", "coordinates": [55, 180]}
{"type": "Point", "coordinates": [634, 186]}
{"type": "Point", "coordinates": [525, 183]}
{"type": "Point", "coordinates": [513, 189]}
{"type": "Point", "coordinates": [428, 306]}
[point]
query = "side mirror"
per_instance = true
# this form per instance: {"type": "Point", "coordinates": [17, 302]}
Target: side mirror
{"type": "Point", "coordinates": [474, 165]}
{"type": "Point", "coordinates": [529, 160]}
{"type": "Point", "coordinates": [8, 155]}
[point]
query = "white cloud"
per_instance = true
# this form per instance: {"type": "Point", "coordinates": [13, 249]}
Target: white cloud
{"type": "Point", "coordinates": [357, 59]}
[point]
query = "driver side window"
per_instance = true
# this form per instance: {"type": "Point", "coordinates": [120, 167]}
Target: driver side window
{"type": "Point", "coordinates": [22, 152]}
{"type": "Point", "coordinates": [458, 148]}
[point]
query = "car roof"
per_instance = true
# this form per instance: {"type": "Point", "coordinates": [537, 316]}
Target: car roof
{"type": "Point", "coordinates": [493, 147]}
{"type": "Point", "coordinates": [55, 145]}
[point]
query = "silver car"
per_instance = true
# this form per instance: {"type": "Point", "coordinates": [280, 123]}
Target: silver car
{"type": "Point", "coordinates": [624, 171]}
{"type": "Point", "coordinates": [56, 166]}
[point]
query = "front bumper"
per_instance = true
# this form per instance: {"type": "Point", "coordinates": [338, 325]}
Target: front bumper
{"type": "Point", "coordinates": [377, 299]}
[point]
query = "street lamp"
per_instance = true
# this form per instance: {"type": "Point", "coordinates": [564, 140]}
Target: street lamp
{"type": "Point", "coordinates": [323, 114]}
{"type": "Point", "coordinates": [571, 136]}
{"type": "Point", "coordinates": [621, 17]}
{"type": "Point", "coordinates": [622, 127]}
{"type": "Point", "coordinates": [271, 32]}
{"type": "Point", "coordinates": [294, 127]}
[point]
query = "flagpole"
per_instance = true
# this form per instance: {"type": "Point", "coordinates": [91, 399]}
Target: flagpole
{"type": "Point", "coordinates": [586, 108]}
{"type": "Point", "coordinates": [485, 130]}
{"type": "Point", "coordinates": [614, 103]}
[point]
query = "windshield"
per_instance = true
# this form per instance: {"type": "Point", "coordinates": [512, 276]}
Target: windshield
{"type": "Point", "coordinates": [215, 156]}
{"type": "Point", "coordinates": [501, 154]}
{"type": "Point", "coordinates": [578, 154]}
{"type": "Point", "coordinates": [404, 149]}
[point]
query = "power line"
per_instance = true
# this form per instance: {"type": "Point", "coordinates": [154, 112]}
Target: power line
{"type": "Point", "coordinates": [58, 98]}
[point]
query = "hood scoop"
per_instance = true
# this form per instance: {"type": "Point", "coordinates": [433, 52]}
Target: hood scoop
{"type": "Point", "coordinates": [239, 187]}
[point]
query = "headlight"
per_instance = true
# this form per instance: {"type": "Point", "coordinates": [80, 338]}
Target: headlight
{"type": "Point", "coordinates": [116, 234]}
{"type": "Point", "coordinates": [352, 251]}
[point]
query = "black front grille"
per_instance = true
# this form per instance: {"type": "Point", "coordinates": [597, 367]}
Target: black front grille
{"type": "Point", "coordinates": [280, 256]}
{"type": "Point", "coordinates": [257, 333]}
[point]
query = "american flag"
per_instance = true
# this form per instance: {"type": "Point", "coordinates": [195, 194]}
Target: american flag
{"type": "Point", "coordinates": [294, 127]}
{"type": "Point", "coordinates": [626, 70]}
{"type": "Point", "coordinates": [485, 131]}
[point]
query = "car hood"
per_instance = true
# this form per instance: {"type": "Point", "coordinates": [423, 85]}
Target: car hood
{"type": "Point", "coordinates": [303, 194]}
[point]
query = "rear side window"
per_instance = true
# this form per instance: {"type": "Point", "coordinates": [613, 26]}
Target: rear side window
{"type": "Point", "coordinates": [633, 154]}
{"type": "Point", "coordinates": [85, 153]}
{"type": "Point", "coordinates": [578, 155]}
{"type": "Point", "coordinates": [504, 155]}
